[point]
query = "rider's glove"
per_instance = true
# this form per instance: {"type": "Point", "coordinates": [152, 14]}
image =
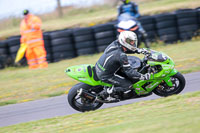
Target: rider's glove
{"type": "Point", "coordinates": [146, 76]}
{"type": "Point", "coordinates": [143, 51]}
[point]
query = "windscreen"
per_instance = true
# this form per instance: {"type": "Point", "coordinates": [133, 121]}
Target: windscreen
{"type": "Point", "coordinates": [125, 17]}
{"type": "Point", "coordinates": [157, 56]}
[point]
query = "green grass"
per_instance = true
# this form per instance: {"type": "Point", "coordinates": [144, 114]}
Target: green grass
{"type": "Point", "coordinates": [8, 102]}
{"type": "Point", "coordinates": [56, 94]}
{"type": "Point", "coordinates": [160, 6]}
{"type": "Point", "coordinates": [94, 15]}
{"type": "Point", "coordinates": [175, 114]}
{"type": "Point", "coordinates": [22, 84]}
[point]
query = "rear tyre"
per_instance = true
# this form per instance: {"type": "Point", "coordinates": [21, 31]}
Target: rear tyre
{"type": "Point", "coordinates": [80, 103]}
{"type": "Point", "coordinates": [178, 85]}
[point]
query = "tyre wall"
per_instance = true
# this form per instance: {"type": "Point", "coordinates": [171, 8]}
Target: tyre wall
{"type": "Point", "coordinates": [62, 45]}
{"type": "Point", "coordinates": [84, 41]}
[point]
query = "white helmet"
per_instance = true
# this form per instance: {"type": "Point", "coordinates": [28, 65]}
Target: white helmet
{"type": "Point", "coordinates": [128, 39]}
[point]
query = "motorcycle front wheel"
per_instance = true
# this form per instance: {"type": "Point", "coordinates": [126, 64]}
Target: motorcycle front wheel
{"type": "Point", "coordinates": [164, 90]}
{"type": "Point", "coordinates": [80, 103]}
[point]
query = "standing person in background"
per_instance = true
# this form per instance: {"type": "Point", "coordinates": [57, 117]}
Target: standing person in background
{"type": "Point", "coordinates": [31, 35]}
{"type": "Point", "coordinates": [130, 8]}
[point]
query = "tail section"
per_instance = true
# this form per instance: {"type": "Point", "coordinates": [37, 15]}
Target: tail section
{"type": "Point", "coordinates": [84, 73]}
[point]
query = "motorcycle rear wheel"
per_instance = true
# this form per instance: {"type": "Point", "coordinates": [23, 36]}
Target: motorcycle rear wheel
{"type": "Point", "coordinates": [79, 103]}
{"type": "Point", "coordinates": [178, 81]}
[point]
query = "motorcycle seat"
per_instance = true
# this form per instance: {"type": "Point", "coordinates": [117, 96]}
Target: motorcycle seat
{"type": "Point", "coordinates": [91, 70]}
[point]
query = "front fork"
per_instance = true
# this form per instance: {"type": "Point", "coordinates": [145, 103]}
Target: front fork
{"type": "Point", "coordinates": [167, 79]}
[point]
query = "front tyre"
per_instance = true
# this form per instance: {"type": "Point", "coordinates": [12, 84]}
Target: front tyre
{"type": "Point", "coordinates": [80, 103]}
{"type": "Point", "coordinates": [164, 90]}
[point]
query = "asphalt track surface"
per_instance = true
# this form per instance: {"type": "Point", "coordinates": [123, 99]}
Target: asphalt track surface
{"type": "Point", "coordinates": [58, 106]}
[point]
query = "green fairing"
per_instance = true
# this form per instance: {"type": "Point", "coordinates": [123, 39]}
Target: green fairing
{"type": "Point", "coordinates": [140, 90]}
{"type": "Point", "coordinates": [81, 74]}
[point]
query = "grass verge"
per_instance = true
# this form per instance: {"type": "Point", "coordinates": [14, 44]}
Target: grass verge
{"type": "Point", "coordinates": [22, 84]}
{"type": "Point", "coordinates": [55, 94]}
{"type": "Point", "coordinates": [174, 114]}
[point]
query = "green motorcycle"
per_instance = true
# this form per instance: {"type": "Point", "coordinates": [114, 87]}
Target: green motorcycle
{"type": "Point", "coordinates": [165, 81]}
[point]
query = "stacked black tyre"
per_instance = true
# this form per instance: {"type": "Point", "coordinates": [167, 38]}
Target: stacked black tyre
{"type": "Point", "coordinates": [62, 45]}
{"type": "Point", "coordinates": [84, 41]}
{"type": "Point", "coordinates": [104, 35]}
{"type": "Point", "coordinates": [47, 44]}
{"type": "Point", "coordinates": [167, 27]}
{"type": "Point", "coordinates": [3, 53]}
{"type": "Point", "coordinates": [13, 47]}
{"type": "Point", "coordinates": [149, 25]}
{"type": "Point", "coordinates": [187, 23]}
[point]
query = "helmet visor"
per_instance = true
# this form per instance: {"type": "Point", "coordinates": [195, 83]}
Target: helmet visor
{"type": "Point", "coordinates": [131, 42]}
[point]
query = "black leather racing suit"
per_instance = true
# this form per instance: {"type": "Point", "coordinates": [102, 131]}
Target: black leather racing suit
{"type": "Point", "coordinates": [112, 60]}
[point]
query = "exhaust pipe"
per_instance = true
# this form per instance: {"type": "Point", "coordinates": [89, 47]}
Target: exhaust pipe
{"type": "Point", "coordinates": [83, 93]}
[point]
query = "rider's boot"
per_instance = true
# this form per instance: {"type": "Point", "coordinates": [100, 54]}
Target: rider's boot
{"type": "Point", "coordinates": [146, 41]}
{"type": "Point", "coordinates": [106, 92]}
{"type": "Point", "coordinates": [109, 92]}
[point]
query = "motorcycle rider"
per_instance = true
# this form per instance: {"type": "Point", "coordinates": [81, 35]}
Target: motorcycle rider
{"type": "Point", "coordinates": [114, 58]}
{"type": "Point", "coordinates": [131, 8]}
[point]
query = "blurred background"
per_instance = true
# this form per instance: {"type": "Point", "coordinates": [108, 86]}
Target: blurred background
{"type": "Point", "coordinates": [11, 12]}
{"type": "Point", "coordinates": [68, 13]}
{"type": "Point", "coordinates": [40, 6]}
{"type": "Point", "coordinates": [80, 27]}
